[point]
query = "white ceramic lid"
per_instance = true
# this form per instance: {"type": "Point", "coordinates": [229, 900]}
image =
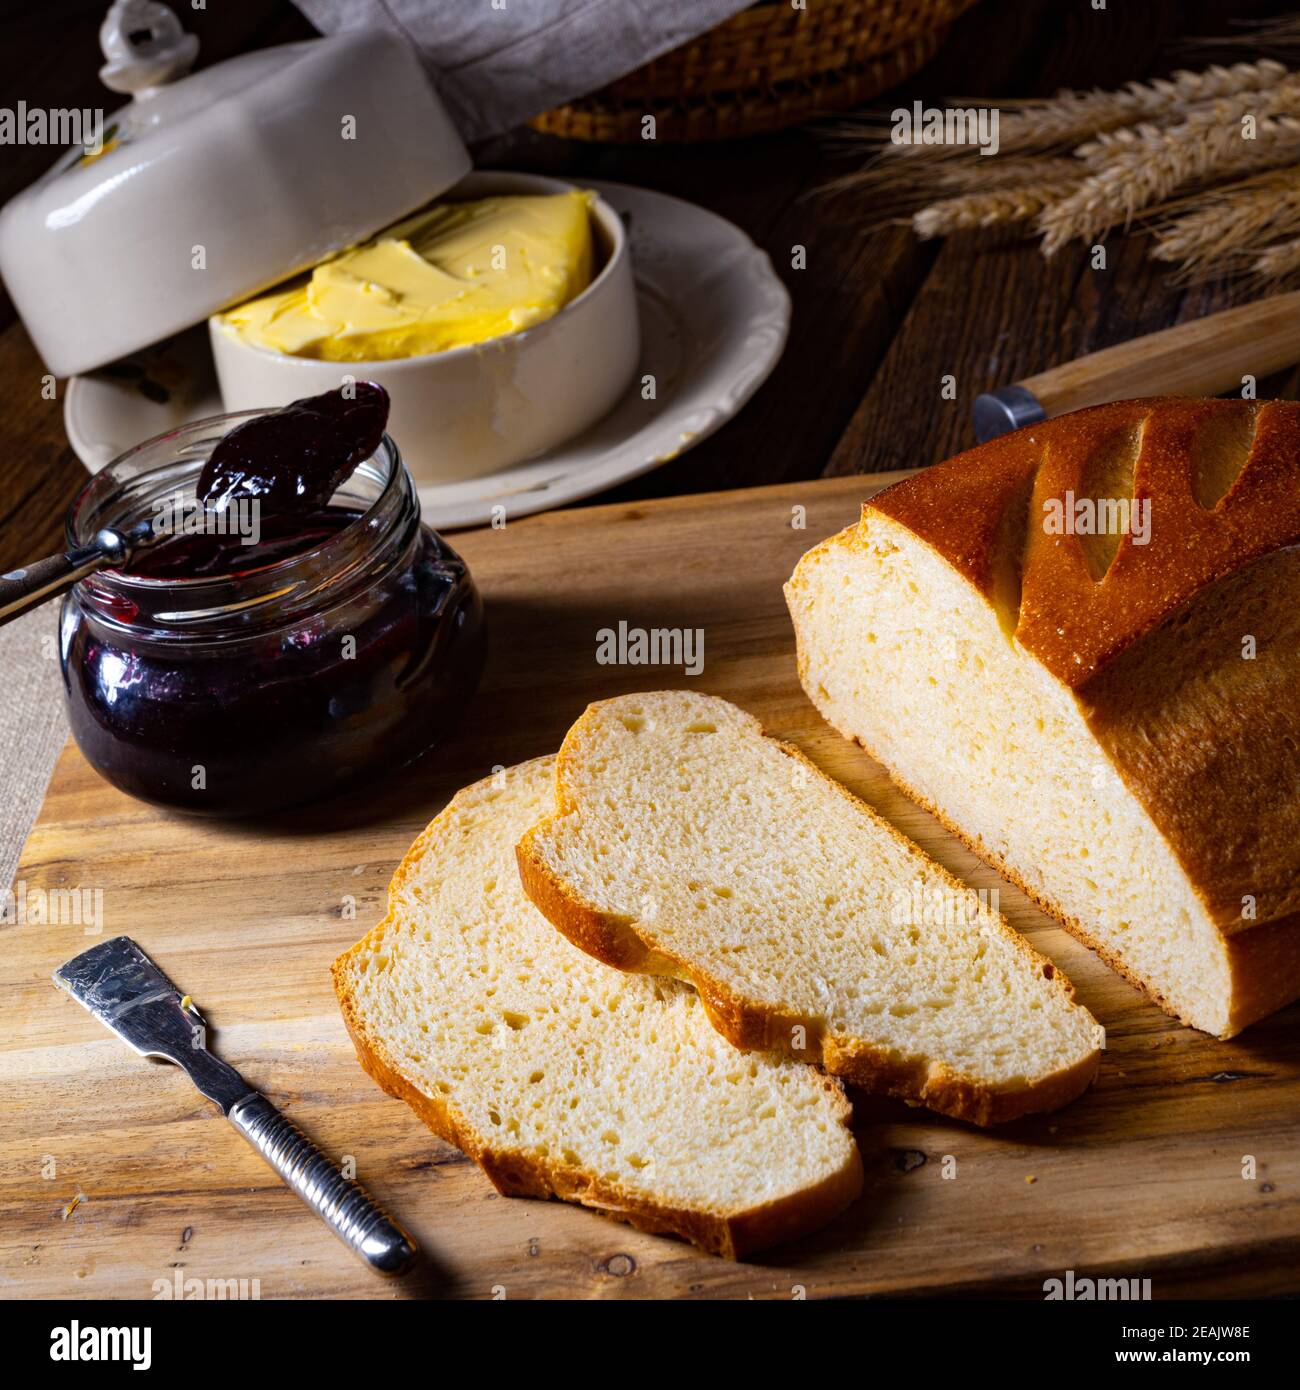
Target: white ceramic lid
{"type": "Point", "coordinates": [215, 186]}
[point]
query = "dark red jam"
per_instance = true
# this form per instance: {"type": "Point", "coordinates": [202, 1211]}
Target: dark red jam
{"type": "Point", "coordinates": [202, 554]}
{"type": "Point", "coordinates": [296, 458]}
{"type": "Point", "coordinates": [230, 679]}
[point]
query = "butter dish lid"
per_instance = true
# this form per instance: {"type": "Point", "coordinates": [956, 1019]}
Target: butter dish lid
{"type": "Point", "coordinates": [205, 189]}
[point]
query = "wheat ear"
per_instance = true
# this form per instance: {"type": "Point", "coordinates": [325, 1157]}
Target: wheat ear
{"type": "Point", "coordinates": [994, 207]}
{"type": "Point", "coordinates": [1149, 138]}
{"type": "Point", "coordinates": [1226, 224]}
{"type": "Point", "coordinates": [1163, 161]}
{"type": "Point", "coordinates": [1070, 117]}
{"type": "Point", "coordinates": [1056, 123]}
{"type": "Point", "coordinates": [1277, 263]}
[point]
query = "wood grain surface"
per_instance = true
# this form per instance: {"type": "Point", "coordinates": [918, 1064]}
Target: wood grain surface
{"type": "Point", "coordinates": [1180, 1165]}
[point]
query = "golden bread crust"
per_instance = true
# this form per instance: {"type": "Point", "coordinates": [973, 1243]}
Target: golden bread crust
{"type": "Point", "coordinates": [1073, 623]}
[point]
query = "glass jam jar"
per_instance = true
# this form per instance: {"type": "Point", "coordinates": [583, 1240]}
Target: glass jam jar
{"type": "Point", "coordinates": [301, 673]}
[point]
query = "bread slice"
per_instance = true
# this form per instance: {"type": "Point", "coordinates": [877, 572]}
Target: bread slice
{"type": "Point", "coordinates": [561, 1077]}
{"type": "Point", "coordinates": [687, 843]}
{"type": "Point", "coordinates": [1111, 720]}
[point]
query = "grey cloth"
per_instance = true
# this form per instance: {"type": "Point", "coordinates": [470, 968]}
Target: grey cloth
{"type": "Point", "coordinates": [33, 726]}
{"type": "Point", "coordinates": [496, 67]}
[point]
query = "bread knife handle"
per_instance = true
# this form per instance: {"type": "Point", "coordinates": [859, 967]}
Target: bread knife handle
{"type": "Point", "coordinates": [1202, 357]}
{"type": "Point", "coordinates": [344, 1205]}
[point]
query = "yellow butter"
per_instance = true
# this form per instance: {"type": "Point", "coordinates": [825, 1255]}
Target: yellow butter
{"type": "Point", "coordinates": [452, 275]}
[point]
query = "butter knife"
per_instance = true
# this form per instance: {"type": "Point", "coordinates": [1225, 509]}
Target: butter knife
{"type": "Point", "coordinates": [127, 992]}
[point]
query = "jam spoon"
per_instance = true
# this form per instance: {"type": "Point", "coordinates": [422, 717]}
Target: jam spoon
{"type": "Point", "coordinates": [27, 588]}
{"type": "Point", "coordinates": [287, 459]}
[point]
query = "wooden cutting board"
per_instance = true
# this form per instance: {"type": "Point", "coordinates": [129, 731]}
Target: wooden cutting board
{"type": "Point", "coordinates": [1181, 1164]}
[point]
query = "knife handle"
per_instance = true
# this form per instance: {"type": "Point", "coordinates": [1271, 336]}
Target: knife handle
{"type": "Point", "coordinates": [345, 1206]}
{"type": "Point", "coordinates": [1203, 357]}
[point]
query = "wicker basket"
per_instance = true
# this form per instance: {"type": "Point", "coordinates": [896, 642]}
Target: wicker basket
{"type": "Point", "coordinates": [767, 67]}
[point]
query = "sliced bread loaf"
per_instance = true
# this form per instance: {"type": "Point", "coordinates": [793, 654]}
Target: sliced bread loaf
{"type": "Point", "coordinates": [1079, 645]}
{"type": "Point", "coordinates": [686, 843]}
{"type": "Point", "coordinates": [559, 1076]}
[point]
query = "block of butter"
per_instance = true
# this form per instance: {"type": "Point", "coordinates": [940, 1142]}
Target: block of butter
{"type": "Point", "coordinates": [448, 276]}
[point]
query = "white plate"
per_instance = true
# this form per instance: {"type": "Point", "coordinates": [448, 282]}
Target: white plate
{"type": "Point", "coordinates": [714, 319]}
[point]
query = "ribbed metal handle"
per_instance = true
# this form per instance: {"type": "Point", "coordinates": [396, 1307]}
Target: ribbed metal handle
{"type": "Point", "coordinates": [345, 1205]}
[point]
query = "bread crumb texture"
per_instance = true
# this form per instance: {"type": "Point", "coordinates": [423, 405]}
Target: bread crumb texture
{"type": "Point", "coordinates": [687, 843]}
{"type": "Point", "coordinates": [561, 1076]}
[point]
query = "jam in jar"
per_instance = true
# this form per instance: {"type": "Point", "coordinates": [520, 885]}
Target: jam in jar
{"type": "Point", "coordinates": [233, 679]}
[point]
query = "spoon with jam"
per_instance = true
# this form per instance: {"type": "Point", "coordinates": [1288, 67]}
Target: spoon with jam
{"type": "Point", "coordinates": [288, 463]}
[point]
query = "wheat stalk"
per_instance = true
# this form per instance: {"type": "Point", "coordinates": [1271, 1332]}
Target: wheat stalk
{"type": "Point", "coordinates": [1002, 171]}
{"type": "Point", "coordinates": [994, 207]}
{"type": "Point", "coordinates": [1070, 117]}
{"type": "Point", "coordinates": [1229, 223]}
{"type": "Point", "coordinates": [1041, 125]}
{"type": "Point", "coordinates": [1162, 161]}
{"type": "Point", "coordinates": [1150, 137]}
{"type": "Point", "coordinates": [1277, 263]}
{"type": "Point", "coordinates": [1133, 152]}
{"type": "Point", "coordinates": [935, 182]}
{"type": "Point", "coordinates": [1280, 35]}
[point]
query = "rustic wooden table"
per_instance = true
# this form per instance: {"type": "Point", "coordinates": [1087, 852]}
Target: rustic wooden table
{"type": "Point", "coordinates": [878, 318]}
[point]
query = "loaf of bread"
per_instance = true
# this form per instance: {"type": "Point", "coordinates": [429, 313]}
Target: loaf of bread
{"type": "Point", "coordinates": [560, 1076]}
{"type": "Point", "coordinates": [1079, 646]}
{"type": "Point", "coordinates": [687, 843]}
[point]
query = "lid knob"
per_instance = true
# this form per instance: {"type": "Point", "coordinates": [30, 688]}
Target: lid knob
{"type": "Point", "coordinates": [145, 46]}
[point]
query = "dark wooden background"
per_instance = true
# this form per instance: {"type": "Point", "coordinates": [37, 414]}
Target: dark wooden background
{"type": "Point", "coordinates": [878, 318]}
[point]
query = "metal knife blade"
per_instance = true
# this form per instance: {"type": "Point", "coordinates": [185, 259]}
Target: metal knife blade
{"type": "Point", "coordinates": [130, 995]}
{"type": "Point", "coordinates": [127, 992]}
